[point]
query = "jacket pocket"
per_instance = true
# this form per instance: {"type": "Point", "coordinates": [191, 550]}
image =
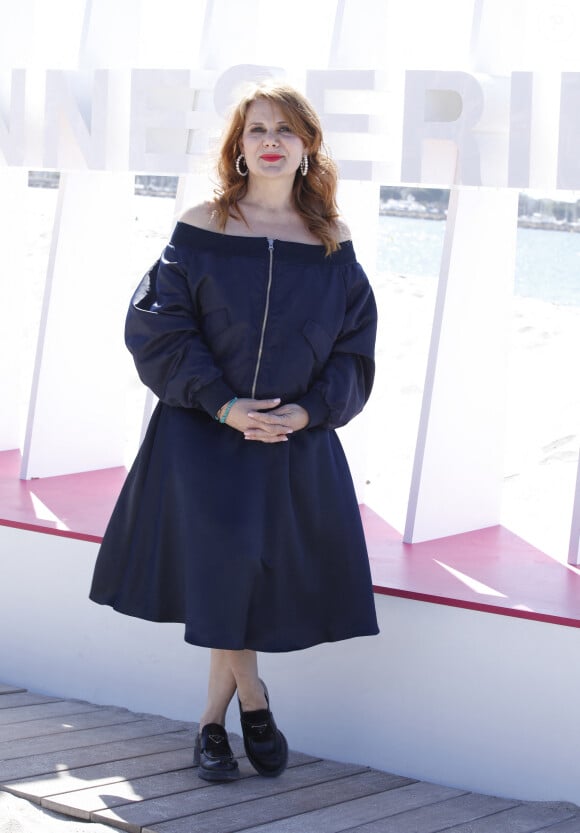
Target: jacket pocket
{"type": "Point", "coordinates": [318, 339]}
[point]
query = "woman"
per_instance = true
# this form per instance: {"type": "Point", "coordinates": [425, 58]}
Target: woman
{"type": "Point", "coordinates": [256, 331]}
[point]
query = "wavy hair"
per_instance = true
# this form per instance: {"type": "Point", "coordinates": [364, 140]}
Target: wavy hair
{"type": "Point", "coordinates": [314, 194]}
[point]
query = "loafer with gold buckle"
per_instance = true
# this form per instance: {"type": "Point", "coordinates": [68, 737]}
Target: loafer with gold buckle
{"type": "Point", "coordinates": [265, 745]}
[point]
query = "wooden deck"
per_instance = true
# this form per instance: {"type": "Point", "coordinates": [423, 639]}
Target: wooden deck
{"type": "Point", "coordinates": [133, 772]}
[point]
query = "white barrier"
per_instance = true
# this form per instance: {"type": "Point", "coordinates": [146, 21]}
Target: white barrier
{"type": "Point", "coordinates": [442, 694]}
{"type": "Point", "coordinates": [399, 102]}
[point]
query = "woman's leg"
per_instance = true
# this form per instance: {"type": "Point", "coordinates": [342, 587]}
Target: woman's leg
{"type": "Point", "coordinates": [229, 670]}
{"type": "Point", "coordinates": [212, 752]}
{"type": "Point", "coordinates": [265, 745]}
{"type": "Point", "coordinates": [244, 666]}
{"type": "Point", "coordinates": [221, 688]}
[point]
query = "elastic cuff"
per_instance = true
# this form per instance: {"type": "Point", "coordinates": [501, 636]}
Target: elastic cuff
{"type": "Point", "coordinates": [317, 408]}
{"type": "Point", "coordinates": [214, 395]}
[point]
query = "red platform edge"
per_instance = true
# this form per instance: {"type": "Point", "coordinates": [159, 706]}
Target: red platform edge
{"type": "Point", "coordinates": [489, 570]}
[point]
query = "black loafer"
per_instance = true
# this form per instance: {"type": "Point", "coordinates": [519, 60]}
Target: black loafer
{"type": "Point", "coordinates": [265, 745]}
{"type": "Point", "coordinates": [213, 755]}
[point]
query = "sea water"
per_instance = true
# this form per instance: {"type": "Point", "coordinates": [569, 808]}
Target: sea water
{"type": "Point", "coordinates": [547, 262]}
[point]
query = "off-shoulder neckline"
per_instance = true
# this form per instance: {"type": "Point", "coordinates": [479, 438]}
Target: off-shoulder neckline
{"type": "Point", "coordinates": [261, 237]}
{"type": "Point", "coordinates": [187, 234]}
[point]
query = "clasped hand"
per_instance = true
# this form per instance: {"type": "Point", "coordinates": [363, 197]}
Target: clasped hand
{"type": "Point", "coordinates": [260, 419]}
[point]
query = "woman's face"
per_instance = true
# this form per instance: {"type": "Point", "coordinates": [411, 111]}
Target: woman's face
{"type": "Point", "coordinates": [270, 147]}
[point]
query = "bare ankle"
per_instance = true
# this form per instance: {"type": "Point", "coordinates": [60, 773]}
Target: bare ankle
{"type": "Point", "coordinates": [212, 717]}
{"type": "Point", "coordinates": [253, 698]}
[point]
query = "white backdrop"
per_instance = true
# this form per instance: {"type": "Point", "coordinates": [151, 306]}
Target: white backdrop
{"type": "Point", "coordinates": [476, 95]}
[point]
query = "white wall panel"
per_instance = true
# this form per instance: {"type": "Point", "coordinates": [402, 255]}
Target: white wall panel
{"type": "Point", "coordinates": [458, 468]}
{"type": "Point", "coordinates": [14, 318]}
{"type": "Point", "coordinates": [467, 699]}
{"type": "Point", "coordinates": [76, 411]}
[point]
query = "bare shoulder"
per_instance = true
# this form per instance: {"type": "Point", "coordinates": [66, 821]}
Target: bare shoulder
{"type": "Point", "coordinates": [201, 216]}
{"type": "Point", "coordinates": [342, 231]}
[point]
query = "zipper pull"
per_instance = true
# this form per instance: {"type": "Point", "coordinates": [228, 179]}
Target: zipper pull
{"type": "Point", "coordinates": [270, 244]}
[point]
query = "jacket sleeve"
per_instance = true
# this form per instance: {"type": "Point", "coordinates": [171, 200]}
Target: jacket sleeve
{"type": "Point", "coordinates": [345, 383]}
{"type": "Point", "coordinates": [163, 335]}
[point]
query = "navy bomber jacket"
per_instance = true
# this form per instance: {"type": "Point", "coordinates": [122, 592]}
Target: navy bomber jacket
{"type": "Point", "coordinates": [221, 316]}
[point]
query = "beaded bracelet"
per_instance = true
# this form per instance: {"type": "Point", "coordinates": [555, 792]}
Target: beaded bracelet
{"type": "Point", "coordinates": [227, 409]}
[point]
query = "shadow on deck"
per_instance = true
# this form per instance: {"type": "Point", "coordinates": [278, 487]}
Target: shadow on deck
{"type": "Point", "coordinates": [133, 772]}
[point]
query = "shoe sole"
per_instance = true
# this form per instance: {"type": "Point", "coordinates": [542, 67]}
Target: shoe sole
{"type": "Point", "coordinates": [210, 775]}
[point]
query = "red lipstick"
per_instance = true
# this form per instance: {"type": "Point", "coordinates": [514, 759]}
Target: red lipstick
{"type": "Point", "coordinates": [271, 157]}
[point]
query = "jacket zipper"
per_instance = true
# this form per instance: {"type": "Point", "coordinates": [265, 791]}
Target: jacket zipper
{"type": "Point", "coordinates": [265, 318]}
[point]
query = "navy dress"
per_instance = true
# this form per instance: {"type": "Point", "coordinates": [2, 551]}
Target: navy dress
{"type": "Point", "coordinates": [250, 545]}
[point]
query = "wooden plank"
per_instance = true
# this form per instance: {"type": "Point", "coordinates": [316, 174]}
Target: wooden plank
{"type": "Point", "coordinates": [135, 772]}
{"type": "Point", "coordinates": [18, 768]}
{"type": "Point", "coordinates": [100, 775]}
{"type": "Point", "coordinates": [439, 816]}
{"type": "Point", "coordinates": [570, 826]}
{"type": "Point", "coordinates": [248, 801]}
{"type": "Point", "coordinates": [343, 816]}
{"type": "Point", "coordinates": [41, 711]}
{"type": "Point", "coordinates": [129, 769]}
{"type": "Point", "coordinates": [71, 723]}
{"type": "Point", "coordinates": [15, 701]}
{"type": "Point", "coordinates": [527, 818]}
{"type": "Point", "coordinates": [81, 803]}
{"type": "Point", "coordinates": [85, 738]}
{"type": "Point", "coordinates": [6, 688]}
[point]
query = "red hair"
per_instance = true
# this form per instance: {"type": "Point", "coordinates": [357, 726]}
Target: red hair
{"type": "Point", "coordinates": [314, 194]}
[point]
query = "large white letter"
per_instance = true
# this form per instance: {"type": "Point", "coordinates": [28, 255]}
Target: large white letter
{"type": "Point", "coordinates": [357, 125]}
{"type": "Point", "coordinates": [569, 139]}
{"type": "Point", "coordinates": [165, 113]}
{"type": "Point", "coordinates": [228, 84]}
{"type": "Point", "coordinates": [12, 130]}
{"type": "Point", "coordinates": [76, 119]}
{"type": "Point", "coordinates": [441, 106]}
{"type": "Point", "coordinates": [520, 129]}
